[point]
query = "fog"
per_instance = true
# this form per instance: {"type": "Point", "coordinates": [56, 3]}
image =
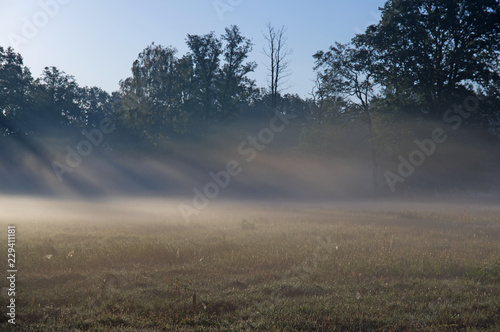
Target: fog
{"type": "Point", "coordinates": [198, 181]}
{"type": "Point", "coordinates": [197, 198]}
{"type": "Point", "coordinates": [233, 166]}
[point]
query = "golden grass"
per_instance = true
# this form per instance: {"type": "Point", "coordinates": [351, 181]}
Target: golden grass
{"type": "Point", "coordinates": [259, 267]}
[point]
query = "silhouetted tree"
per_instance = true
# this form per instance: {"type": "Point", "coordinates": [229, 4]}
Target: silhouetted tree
{"type": "Point", "coordinates": [205, 51]}
{"type": "Point", "coordinates": [15, 86]}
{"type": "Point", "coordinates": [56, 102]}
{"type": "Point", "coordinates": [95, 105]}
{"type": "Point", "coordinates": [348, 72]}
{"type": "Point", "coordinates": [153, 97]}
{"type": "Point", "coordinates": [432, 50]}
{"type": "Point", "coordinates": [234, 86]}
{"type": "Point", "coordinates": [278, 53]}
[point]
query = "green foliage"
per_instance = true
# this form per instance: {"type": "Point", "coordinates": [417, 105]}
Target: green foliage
{"type": "Point", "coordinates": [221, 89]}
{"type": "Point", "coordinates": [434, 50]}
{"type": "Point", "coordinates": [234, 87]}
{"type": "Point", "coordinates": [205, 51]}
{"type": "Point", "coordinates": [57, 101]}
{"type": "Point", "coordinates": [347, 72]}
{"type": "Point", "coordinates": [15, 82]}
{"type": "Point", "coordinates": [390, 85]}
{"type": "Point", "coordinates": [421, 59]}
{"type": "Point", "coordinates": [169, 97]}
{"type": "Point", "coordinates": [153, 98]}
{"type": "Point", "coordinates": [165, 98]}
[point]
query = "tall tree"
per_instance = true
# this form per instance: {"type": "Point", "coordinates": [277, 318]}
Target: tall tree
{"type": "Point", "coordinates": [278, 53]}
{"type": "Point", "coordinates": [15, 84]}
{"type": "Point", "coordinates": [429, 50]}
{"type": "Point", "coordinates": [206, 51]}
{"type": "Point", "coordinates": [153, 97]}
{"type": "Point", "coordinates": [57, 101]}
{"type": "Point", "coordinates": [348, 72]}
{"type": "Point", "coordinates": [234, 85]}
{"type": "Point", "coordinates": [428, 55]}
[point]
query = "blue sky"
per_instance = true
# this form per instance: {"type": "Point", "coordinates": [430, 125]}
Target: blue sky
{"type": "Point", "coordinates": [97, 41]}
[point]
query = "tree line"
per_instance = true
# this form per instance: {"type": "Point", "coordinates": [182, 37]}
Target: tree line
{"type": "Point", "coordinates": [376, 94]}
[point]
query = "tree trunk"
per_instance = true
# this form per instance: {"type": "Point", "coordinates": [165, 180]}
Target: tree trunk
{"type": "Point", "coordinates": [373, 154]}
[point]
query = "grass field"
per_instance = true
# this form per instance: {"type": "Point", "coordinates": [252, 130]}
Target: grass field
{"type": "Point", "coordinates": [137, 266]}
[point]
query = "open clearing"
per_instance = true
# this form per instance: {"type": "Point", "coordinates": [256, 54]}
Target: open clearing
{"type": "Point", "coordinates": [129, 265]}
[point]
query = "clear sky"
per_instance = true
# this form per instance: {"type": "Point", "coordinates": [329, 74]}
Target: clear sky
{"type": "Point", "coordinates": [97, 41]}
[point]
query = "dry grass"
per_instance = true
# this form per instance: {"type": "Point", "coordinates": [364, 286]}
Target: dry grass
{"type": "Point", "coordinates": [263, 267]}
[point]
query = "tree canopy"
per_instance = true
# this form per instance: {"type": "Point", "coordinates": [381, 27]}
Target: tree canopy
{"type": "Point", "coordinates": [421, 62]}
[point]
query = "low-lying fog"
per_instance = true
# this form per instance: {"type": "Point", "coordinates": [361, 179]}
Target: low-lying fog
{"type": "Point", "coordinates": [243, 164]}
{"type": "Point", "coordinates": [20, 209]}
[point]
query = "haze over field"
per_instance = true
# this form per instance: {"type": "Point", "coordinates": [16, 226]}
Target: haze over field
{"type": "Point", "coordinates": [383, 117]}
{"type": "Point", "coordinates": [136, 264]}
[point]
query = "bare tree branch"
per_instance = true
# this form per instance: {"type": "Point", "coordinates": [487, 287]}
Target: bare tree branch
{"type": "Point", "coordinates": [278, 53]}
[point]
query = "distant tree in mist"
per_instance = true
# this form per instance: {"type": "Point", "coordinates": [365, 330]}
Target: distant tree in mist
{"type": "Point", "coordinates": [371, 99]}
{"type": "Point", "coordinates": [169, 97]}
{"type": "Point", "coordinates": [205, 51]}
{"type": "Point", "coordinates": [429, 56]}
{"type": "Point", "coordinates": [418, 61]}
{"type": "Point", "coordinates": [97, 104]}
{"type": "Point", "coordinates": [234, 87]}
{"type": "Point", "coordinates": [57, 101]}
{"type": "Point", "coordinates": [347, 72]}
{"type": "Point", "coordinates": [51, 105]}
{"type": "Point", "coordinates": [153, 98]}
{"type": "Point", "coordinates": [15, 86]}
{"type": "Point", "coordinates": [220, 73]}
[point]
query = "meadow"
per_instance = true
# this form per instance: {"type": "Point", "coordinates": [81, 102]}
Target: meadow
{"type": "Point", "coordinates": [136, 265]}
